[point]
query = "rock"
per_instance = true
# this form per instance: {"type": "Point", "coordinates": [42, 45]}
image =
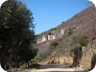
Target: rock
{"type": "Point", "coordinates": [51, 35]}
{"type": "Point", "coordinates": [59, 60]}
{"type": "Point", "coordinates": [87, 59]}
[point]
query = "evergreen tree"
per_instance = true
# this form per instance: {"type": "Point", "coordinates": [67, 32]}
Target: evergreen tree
{"type": "Point", "coordinates": [16, 38]}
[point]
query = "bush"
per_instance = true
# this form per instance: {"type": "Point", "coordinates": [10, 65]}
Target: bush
{"type": "Point", "coordinates": [54, 45]}
{"type": "Point", "coordinates": [70, 31]}
{"type": "Point", "coordinates": [84, 41]}
{"type": "Point", "coordinates": [38, 58]}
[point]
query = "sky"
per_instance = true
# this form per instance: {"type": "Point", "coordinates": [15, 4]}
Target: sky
{"type": "Point", "coordinates": [51, 13]}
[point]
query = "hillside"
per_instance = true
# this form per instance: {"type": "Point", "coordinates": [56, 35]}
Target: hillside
{"type": "Point", "coordinates": [72, 42]}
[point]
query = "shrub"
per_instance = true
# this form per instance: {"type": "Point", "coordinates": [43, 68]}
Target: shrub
{"type": "Point", "coordinates": [53, 29]}
{"type": "Point", "coordinates": [37, 59]}
{"type": "Point", "coordinates": [54, 45]}
{"type": "Point", "coordinates": [70, 31]}
{"type": "Point", "coordinates": [84, 41]}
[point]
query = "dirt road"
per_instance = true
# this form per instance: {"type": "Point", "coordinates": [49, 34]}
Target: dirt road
{"type": "Point", "coordinates": [57, 70]}
{"type": "Point", "coordinates": [53, 68]}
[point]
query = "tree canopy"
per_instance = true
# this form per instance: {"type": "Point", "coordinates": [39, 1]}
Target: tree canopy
{"type": "Point", "coordinates": [16, 38]}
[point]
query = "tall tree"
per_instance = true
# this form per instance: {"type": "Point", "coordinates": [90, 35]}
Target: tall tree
{"type": "Point", "coordinates": [16, 38]}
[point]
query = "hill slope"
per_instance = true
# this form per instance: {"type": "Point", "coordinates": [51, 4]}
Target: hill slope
{"type": "Point", "coordinates": [70, 42]}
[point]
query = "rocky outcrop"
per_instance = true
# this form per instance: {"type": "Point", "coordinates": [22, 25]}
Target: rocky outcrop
{"type": "Point", "coordinates": [50, 35]}
{"type": "Point", "coordinates": [83, 57]}
{"type": "Point", "coordinates": [54, 34]}
{"type": "Point", "coordinates": [88, 59]}
{"type": "Point", "coordinates": [59, 60]}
